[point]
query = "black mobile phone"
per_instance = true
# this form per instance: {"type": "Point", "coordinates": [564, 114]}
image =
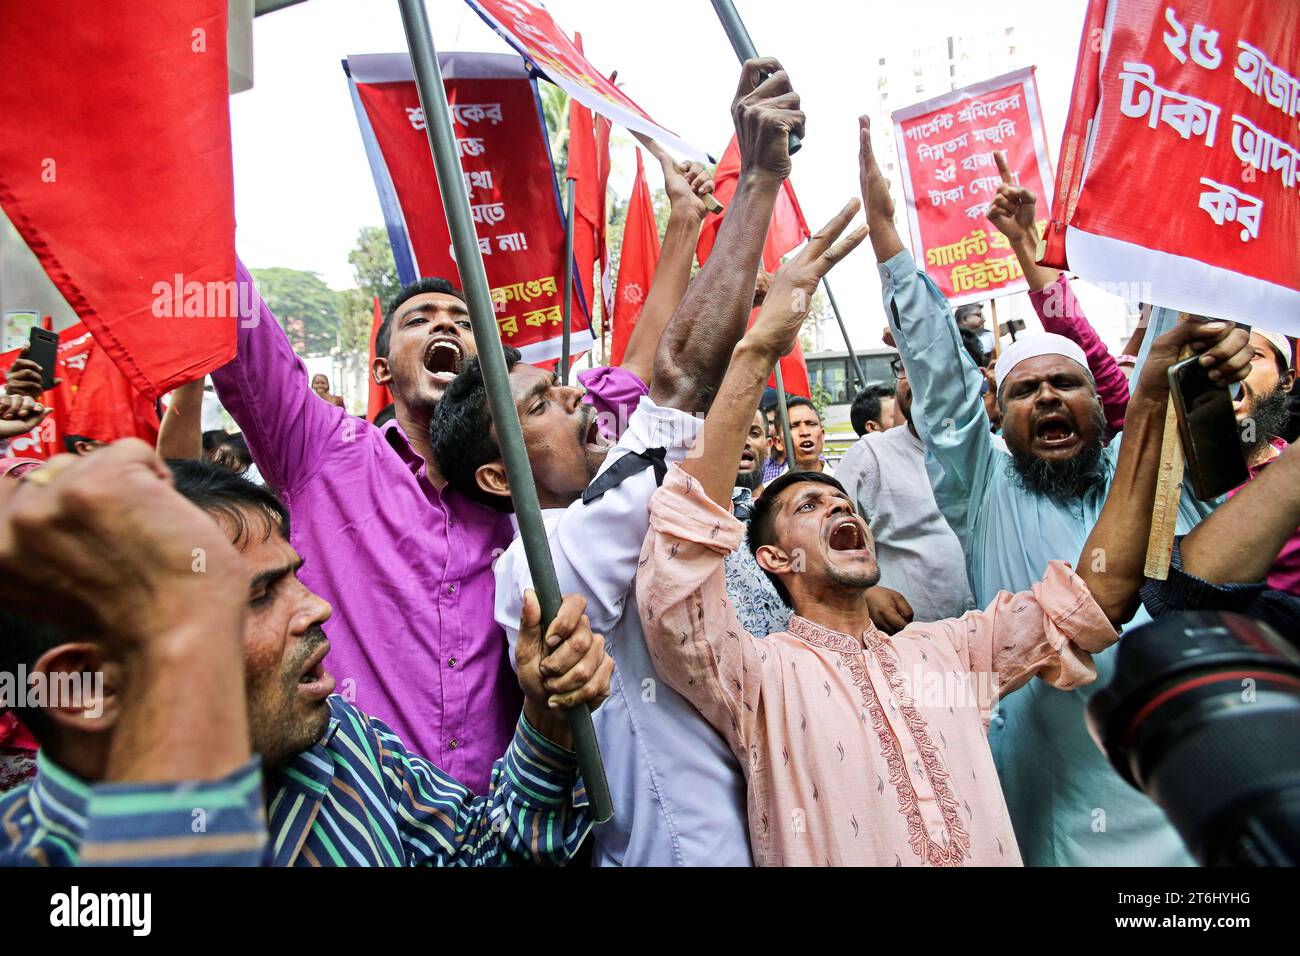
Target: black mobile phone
{"type": "Point", "coordinates": [44, 351]}
{"type": "Point", "coordinates": [1207, 423]}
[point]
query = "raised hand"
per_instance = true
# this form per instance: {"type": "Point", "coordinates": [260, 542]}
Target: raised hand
{"type": "Point", "coordinates": [875, 194]}
{"type": "Point", "coordinates": [1223, 348]}
{"type": "Point", "coordinates": [789, 296]}
{"type": "Point", "coordinates": [1013, 209]}
{"type": "Point", "coordinates": [685, 182]}
{"type": "Point", "coordinates": [765, 112]}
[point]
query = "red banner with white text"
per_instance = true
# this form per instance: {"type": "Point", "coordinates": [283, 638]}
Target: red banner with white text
{"type": "Point", "coordinates": [506, 161]}
{"type": "Point", "coordinates": [945, 148]}
{"type": "Point", "coordinates": [1181, 158]}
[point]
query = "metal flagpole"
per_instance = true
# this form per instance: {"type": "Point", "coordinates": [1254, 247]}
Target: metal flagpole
{"type": "Point", "coordinates": [743, 45]}
{"type": "Point", "coordinates": [853, 356]}
{"type": "Point", "coordinates": [487, 338]}
{"type": "Point", "coordinates": [568, 285]}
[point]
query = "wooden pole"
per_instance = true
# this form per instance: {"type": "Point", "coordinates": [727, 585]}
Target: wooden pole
{"type": "Point", "coordinates": [1169, 491]}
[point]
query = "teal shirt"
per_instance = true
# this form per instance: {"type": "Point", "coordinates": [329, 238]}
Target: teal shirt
{"type": "Point", "coordinates": [1068, 806]}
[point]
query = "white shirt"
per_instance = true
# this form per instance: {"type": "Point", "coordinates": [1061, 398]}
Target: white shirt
{"type": "Point", "coordinates": [678, 793]}
{"type": "Point", "coordinates": [920, 557]}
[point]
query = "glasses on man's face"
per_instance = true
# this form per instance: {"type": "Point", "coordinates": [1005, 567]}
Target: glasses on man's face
{"type": "Point", "coordinates": [896, 366]}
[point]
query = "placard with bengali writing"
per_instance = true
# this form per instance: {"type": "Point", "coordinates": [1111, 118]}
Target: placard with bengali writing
{"type": "Point", "coordinates": [1181, 159]}
{"type": "Point", "coordinates": [508, 176]}
{"type": "Point", "coordinates": [946, 147]}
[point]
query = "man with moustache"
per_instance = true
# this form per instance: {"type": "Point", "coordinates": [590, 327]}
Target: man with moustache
{"type": "Point", "coordinates": [216, 738]}
{"type": "Point", "coordinates": [406, 560]}
{"type": "Point", "coordinates": [858, 748]}
{"type": "Point", "coordinates": [1014, 515]}
{"type": "Point", "coordinates": [758, 606]}
{"type": "Point", "coordinates": [677, 791]}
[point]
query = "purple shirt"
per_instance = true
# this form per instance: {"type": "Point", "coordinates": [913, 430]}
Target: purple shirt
{"type": "Point", "coordinates": [407, 568]}
{"type": "Point", "coordinates": [615, 393]}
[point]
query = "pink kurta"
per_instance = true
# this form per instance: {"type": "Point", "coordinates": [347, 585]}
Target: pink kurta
{"type": "Point", "coordinates": [863, 751]}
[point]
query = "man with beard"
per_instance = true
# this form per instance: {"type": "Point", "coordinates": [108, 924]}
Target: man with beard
{"type": "Point", "coordinates": [677, 791]}
{"type": "Point", "coordinates": [1264, 411]}
{"type": "Point", "coordinates": [214, 736]}
{"type": "Point", "coordinates": [1014, 514]}
{"type": "Point", "coordinates": [406, 560]}
{"type": "Point", "coordinates": [858, 748]}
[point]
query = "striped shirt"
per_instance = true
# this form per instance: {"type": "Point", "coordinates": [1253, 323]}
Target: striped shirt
{"type": "Point", "coordinates": [357, 798]}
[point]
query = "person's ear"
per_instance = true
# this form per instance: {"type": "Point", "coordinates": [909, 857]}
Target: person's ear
{"type": "Point", "coordinates": [1288, 382]}
{"type": "Point", "coordinates": [874, 426]}
{"type": "Point", "coordinates": [380, 373]}
{"type": "Point", "coordinates": [773, 559]}
{"type": "Point", "coordinates": [81, 688]}
{"type": "Point", "coordinates": [491, 478]}
{"type": "Point", "coordinates": [83, 447]}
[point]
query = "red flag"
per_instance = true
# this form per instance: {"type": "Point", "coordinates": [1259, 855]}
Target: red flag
{"type": "Point", "coordinates": [379, 396]}
{"type": "Point", "coordinates": [105, 407]}
{"type": "Point", "coordinates": [115, 168]}
{"type": "Point", "coordinates": [636, 265]}
{"type": "Point", "coordinates": [602, 191]}
{"type": "Point", "coordinates": [588, 224]}
{"type": "Point", "coordinates": [787, 230]}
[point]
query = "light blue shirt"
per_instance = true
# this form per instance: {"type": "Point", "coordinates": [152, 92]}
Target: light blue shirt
{"type": "Point", "coordinates": [1068, 806]}
{"type": "Point", "coordinates": [678, 792]}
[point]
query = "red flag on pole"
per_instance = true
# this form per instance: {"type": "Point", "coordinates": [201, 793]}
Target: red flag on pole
{"type": "Point", "coordinates": [636, 265]}
{"type": "Point", "coordinates": [787, 230]}
{"type": "Point", "coordinates": [603, 127]}
{"type": "Point", "coordinates": [115, 168]}
{"type": "Point", "coordinates": [379, 396]}
{"type": "Point", "coordinates": [588, 225]}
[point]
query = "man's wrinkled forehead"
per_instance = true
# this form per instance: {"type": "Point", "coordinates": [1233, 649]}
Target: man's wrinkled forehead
{"type": "Point", "coordinates": [431, 302]}
{"type": "Point", "coordinates": [798, 494]}
{"type": "Point", "coordinates": [528, 382]}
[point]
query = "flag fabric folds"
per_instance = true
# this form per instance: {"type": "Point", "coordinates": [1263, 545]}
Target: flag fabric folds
{"type": "Point", "coordinates": [378, 397]}
{"type": "Point", "coordinates": [115, 169]}
{"type": "Point", "coordinates": [636, 265]}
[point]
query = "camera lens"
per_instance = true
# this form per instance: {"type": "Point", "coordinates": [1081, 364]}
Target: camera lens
{"type": "Point", "coordinates": [1203, 716]}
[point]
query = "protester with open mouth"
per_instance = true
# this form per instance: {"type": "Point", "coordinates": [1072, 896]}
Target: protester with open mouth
{"type": "Point", "coordinates": [1017, 513]}
{"type": "Point", "coordinates": [406, 561]}
{"type": "Point", "coordinates": [216, 738]}
{"type": "Point", "coordinates": [851, 756]}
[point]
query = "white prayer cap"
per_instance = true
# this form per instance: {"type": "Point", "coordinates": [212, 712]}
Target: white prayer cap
{"type": "Point", "coordinates": [1032, 346]}
{"type": "Point", "coordinates": [1281, 343]}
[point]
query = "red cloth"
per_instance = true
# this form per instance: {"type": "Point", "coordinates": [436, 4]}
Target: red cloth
{"type": "Point", "coordinates": [787, 230]}
{"type": "Point", "coordinates": [588, 197]}
{"type": "Point", "coordinates": [115, 168]}
{"type": "Point", "coordinates": [636, 265]}
{"type": "Point", "coordinates": [379, 396]}
{"type": "Point", "coordinates": [46, 440]}
{"type": "Point", "coordinates": [105, 407]}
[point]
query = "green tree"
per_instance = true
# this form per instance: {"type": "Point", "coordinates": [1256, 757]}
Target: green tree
{"type": "Point", "coordinates": [306, 307]}
{"type": "Point", "coordinates": [375, 273]}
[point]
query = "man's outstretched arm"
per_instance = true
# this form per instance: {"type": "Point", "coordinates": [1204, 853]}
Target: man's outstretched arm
{"type": "Point", "coordinates": [947, 388]}
{"type": "Point", "coordinates": [697, 343]}
{"type": "Point", "coordinates": [1114, 555]}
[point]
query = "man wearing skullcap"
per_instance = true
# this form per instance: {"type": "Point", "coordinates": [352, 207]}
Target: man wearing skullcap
{"type": "Point", "coordinates": [1014, 513]}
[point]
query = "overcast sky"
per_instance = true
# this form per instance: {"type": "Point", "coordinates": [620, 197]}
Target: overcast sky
{"type": "Point", "coordinates": [303, 188]}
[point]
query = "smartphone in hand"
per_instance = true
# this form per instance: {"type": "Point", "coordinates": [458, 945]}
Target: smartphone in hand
{"type": "Point", "coordinates": [43, 349]}
{"type": "Point", "coordinates": [1216, 457]}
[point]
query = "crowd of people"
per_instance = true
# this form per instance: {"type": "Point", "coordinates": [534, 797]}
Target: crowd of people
{"type": "Point", "coordinates": [316, 642]}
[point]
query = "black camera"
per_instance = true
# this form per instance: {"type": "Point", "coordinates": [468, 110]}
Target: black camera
{"type": "Point", "coordinates": [1203, 716]}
